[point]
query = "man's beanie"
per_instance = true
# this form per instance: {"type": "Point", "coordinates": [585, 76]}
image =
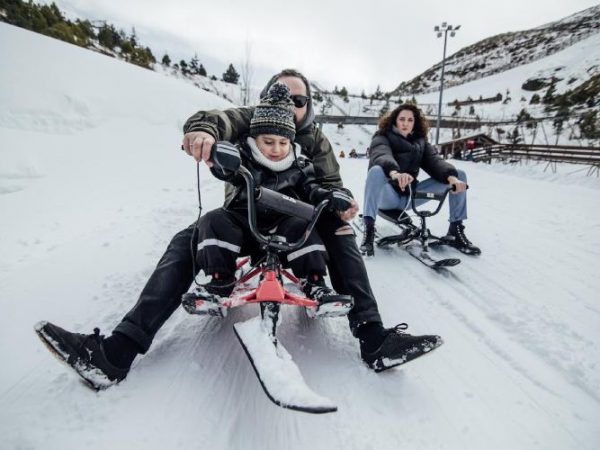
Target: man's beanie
{"type": "Point", "coordinates": [274, 114]}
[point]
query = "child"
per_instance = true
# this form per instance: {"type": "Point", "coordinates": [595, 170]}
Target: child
{"type": "Point", "coordinates": [269, 153]}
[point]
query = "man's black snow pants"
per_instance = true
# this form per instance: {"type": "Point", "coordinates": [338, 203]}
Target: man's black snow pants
{"type": "Point", "coordinates": [174, 274]}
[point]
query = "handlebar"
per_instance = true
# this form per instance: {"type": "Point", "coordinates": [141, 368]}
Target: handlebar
{"type": "Point", "coordinates": [439, 197]}
{"type": "Point", "coordinates": [282, 203]}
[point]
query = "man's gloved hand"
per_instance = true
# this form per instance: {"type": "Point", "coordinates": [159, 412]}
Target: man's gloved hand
{"type": "Point", "coordinates": [340, 201]}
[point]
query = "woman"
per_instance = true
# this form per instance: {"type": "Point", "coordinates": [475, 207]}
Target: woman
{"type": "Point", "coordinates": [397, 152]}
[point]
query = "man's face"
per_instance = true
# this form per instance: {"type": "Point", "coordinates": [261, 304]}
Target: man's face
{"type": "Point", "coordinates": [297, 87]}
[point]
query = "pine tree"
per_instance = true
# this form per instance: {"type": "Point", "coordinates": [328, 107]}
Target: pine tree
{"type": "Point", "coordinates": [378, 95]}
{"type": "Point", "coordinates": [514, 137]}
{"type": "Point", "coordinates": [166, 61]}
{"type": "Point", "coordinates": [549, 96]}
{"type": "Point", "coordinates": [589, 125]}
{"type": "Point", "coordinates": [183, 66]}
{"type": "Point", "coordinates": [344, 94]}
{"type": "Point", "coordinates": [231, 75]}
{"type": "Point", "coordinates": [194, 65]}
{"type": "Point", "coordinates": [133, 37]}
{"type": "Point", "coordinates": [201, 70]}
{"type": "Point", "coordinates": [126, 47]}
{"type": "Point", "coordinates": [561, 116]}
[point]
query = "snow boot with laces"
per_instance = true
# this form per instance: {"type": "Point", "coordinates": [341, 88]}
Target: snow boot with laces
{"type": "Point", "coordinates": [83, 353]}
{"type": "Point", "coordinates": [396, 348]}
{"type": "Point", "coordinates": [457, 238]}
{"type": "Point", "coordinates": [366, 246]}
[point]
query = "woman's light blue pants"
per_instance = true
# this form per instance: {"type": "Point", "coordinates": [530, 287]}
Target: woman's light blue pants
{"type": "Point", "coordinates": [379, 194]}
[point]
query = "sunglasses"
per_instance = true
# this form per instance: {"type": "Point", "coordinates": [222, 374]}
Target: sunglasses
{"type": "Point", "coordinates": [300, 101]}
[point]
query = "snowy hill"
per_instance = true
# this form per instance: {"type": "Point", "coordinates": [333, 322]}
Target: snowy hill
{"type": "Point", "coordinates": [564, 70]}
{"type": "Point", "coordinates": [92, 187]}
{"type": "Point", "coordinates": [570, 68]}
{"type": "Point", "coordinates": [506, 51]}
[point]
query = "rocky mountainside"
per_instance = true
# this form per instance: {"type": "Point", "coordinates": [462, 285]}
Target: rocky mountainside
{"type": "Point", "coordinates": [505, 51]}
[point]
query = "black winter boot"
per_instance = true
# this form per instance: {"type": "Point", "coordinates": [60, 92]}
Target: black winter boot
{"type": "Point", "coordinates": [366, 247]}
{"type": "Point", "coordinates": [397, 347]}
{"type": "Point", "coordinates": [457, 238]}
{"type": "Point", "coordinates": [83, 353]}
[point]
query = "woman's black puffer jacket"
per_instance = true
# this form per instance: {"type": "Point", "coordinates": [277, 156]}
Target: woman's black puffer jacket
{"type": "Point", "coordinates": [392, 151]}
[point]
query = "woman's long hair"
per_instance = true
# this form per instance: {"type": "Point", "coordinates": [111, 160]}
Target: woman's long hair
{"type": "Point", "coordinates": [388, 121]}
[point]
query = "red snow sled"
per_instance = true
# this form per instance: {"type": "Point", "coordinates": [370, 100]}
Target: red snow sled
{"type": "Point", "coordinates": [263, 283]}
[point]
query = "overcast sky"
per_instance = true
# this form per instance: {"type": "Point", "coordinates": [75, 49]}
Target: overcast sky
{"type": "Point", "coordinates": [356, 44]}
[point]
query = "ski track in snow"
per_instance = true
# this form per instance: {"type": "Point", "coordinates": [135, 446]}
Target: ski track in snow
{"type": "Point", "coordinates": [89, 208]}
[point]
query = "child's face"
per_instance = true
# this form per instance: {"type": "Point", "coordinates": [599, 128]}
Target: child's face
{"type": "Point", "coordinates": [273, 147]}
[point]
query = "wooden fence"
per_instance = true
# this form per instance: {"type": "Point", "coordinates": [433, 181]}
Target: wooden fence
{"type": "Point", "coordinates": [550, 153]}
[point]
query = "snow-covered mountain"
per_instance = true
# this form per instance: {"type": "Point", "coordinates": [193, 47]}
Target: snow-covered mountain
{"type": "Point", "coordinates": [505, 51]}
{"type": "Point", "coordinates": [572, 74]}
{"type": "Point", "coordinates": [92, 187]}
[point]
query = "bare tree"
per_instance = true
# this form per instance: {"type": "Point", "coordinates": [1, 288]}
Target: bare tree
{"type": "Point", "coordinates": [247, 72]}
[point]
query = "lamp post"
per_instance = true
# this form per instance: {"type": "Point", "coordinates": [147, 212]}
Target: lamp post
{"type": "Point", "coordinates": [443, 29]}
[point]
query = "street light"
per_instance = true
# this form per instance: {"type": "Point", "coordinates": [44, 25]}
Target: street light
{"type": "Point", "coordinates": [443, 29]}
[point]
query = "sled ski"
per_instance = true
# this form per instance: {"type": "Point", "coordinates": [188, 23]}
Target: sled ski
{"type": "Point", "coordinates": [441, 243]}
{"type": "Point", "coordinates": [417, 252]}
{"type": "Point", "coordinates": [410, 232]}
{"type": "Point", "coordinates": [277, 373]}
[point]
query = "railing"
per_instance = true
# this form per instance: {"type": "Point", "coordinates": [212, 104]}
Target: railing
{"type": "Point", "coordinates": [446, 121]}
{"type": "Point", "coordinates": [550, 153]}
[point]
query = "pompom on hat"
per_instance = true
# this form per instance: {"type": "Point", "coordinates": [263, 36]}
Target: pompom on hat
{"type": "Point", "coordinates": [275, 114]}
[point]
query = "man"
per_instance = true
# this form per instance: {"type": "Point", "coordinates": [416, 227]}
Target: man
{"type": "Point", "coordinates": [105, 361]}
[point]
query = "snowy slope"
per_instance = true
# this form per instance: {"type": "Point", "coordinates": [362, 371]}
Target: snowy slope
{"type": "Point", "coordinates": [504, 51]}
{"type": "Point", "coordinates": [92, 188]}
{"type": "Point", "coordinates": [572, 65]}
{"type": "Point", "coordinates": [579, 61]}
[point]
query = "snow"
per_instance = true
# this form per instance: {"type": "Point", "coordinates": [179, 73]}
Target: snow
{"type": "Point", "coordinates": [93, 186]}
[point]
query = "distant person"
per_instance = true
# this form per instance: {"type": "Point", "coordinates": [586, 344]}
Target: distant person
{"type": "Point", "coordinates": [342, 154]}
{"type": "Point", "coordinates": [353, 153]}
{"type": "Point", "coordinates": [398, 151]}
{"type": "Point", "coordinates": [107, 360]}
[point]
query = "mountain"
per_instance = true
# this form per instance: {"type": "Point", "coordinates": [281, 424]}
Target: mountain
{"type": "Point", "coordinates": [505, 51]}
{"type": "Point", "coordinates": [547, 99]}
